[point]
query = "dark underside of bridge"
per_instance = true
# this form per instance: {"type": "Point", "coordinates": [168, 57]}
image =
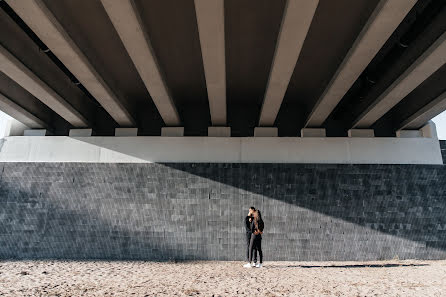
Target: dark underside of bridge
{"type": "Point", "coordinates": [251, 32]}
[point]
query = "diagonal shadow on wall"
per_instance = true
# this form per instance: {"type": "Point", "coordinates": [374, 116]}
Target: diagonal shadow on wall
{"type": "Point", "coordinates": [195, 211]}
{"type": "Point", "coordinates": [320, 211]}
{"type": "Point", "coordinates": [58, 211]}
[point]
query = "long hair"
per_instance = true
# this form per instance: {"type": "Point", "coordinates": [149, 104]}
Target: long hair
{"type": "Point", "coordinates": [257, 218]}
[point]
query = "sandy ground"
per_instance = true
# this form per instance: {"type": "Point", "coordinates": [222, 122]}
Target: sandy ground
{"type": "Point", "coordinates": [102, 278]}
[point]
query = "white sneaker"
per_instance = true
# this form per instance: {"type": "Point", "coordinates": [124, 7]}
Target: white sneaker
{"type": "Point", "coordinates": [259, 265]}
{"type": "Point", "coordinates": [248, 265]}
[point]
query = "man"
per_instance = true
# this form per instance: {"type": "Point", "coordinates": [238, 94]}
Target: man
{"type": "Point", "coordinates": [248, 221]}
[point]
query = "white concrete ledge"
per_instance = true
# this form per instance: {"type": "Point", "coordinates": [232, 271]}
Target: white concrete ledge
{"type": "Point", "coordinates": [126, 132]}
{"type": "Point", "coordinates": [266, 132]}
{"type": "Point", "coordinates": [80, 132]}
{"type": "Point", "coordinates": [361, 133]}
{"type": "Point", "coordinates": [147, 149]}
{"type": "Point", "coordinates": [312, 132]}
{"type": "Point", "coordinates": [219, 131]}
{"type": "Point", "coordinates": [35, 132]}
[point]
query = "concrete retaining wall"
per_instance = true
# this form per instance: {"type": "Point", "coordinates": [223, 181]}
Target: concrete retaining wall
{"type": "Point", "coordinates": [195, 210]}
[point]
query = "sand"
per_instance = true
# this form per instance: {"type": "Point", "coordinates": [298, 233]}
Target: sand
{"type": "Point", "coordinates": [105, 278]}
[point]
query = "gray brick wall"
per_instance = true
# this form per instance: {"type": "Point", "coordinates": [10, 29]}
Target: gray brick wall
{"type": "Point", "coordinates": [196, 211]}
{"type": "Point", "coordinates": [443, 150]}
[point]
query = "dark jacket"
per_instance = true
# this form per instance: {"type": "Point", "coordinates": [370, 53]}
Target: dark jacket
{"type": "Point", "coordinates": [247, 225]}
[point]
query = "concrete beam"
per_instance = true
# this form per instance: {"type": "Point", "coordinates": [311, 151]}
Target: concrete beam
{"type": "Point", "coordinates": [20, 114]}
{"type": "Point", "coordinates": [428, 112]}
{"type": "Point", "coordinates": [382, 23]}
{"type": "Point", "coordinates": [266, 132]}
{"type": "Point", "coordinates": [127, 22]}
{"type": "Point", "coordinates": [211, 28]}
{"type": "Point", "coordinates": [172, 131]}
{"type": "Point", "coordinates": [294, 28]}
{"type": "Point", "coordinates": [429, 62]}
{"type": "Point", "coordinates": [313, 132]}
{"type": "Point", "coordinates": [126, 132]}
{"type": "Point", "coordinates": [23, 76]}
{"type": "Point", "coordinates": [219, 131]}
{"type": "Point", "coordinates": [40, 19]}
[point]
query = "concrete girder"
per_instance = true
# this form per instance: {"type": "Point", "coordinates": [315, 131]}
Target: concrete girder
{"type": "Point", "coordinates": [127, 22]}
{"type": "Point", "coordinates": [294, 28]}
{"type": "Point", "coordinates": [23, 76]}
{"type": "Point", "coordinates": [429, 62]}
{"type": "Point", "coordinates": [40, 19]}
{"type": "Point", "coordinates": [382, 23]}
{"type": "Point", "coordinates": [422, 116]}
{"type": "Point", "coordinates": [211, 29]}
{"type": "Point", "coordinates": [11, 108]}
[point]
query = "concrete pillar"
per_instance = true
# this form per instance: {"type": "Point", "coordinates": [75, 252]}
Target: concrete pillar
{"type": "Point", "coordinates": [219, 131]}
{"type": "Point", "coordinates": [361, 133]}
{"type": "Point", "coordinates": [80, 132]}
{"type": "Point", "coordinates": [266, 132]}
{"type": "Point", "coordinates": [172, 131]}
{"type": "Point", "coordinates": [126, 132]}
{"type": "Point", "coordinates": [35, 132]}
{"type": "Point", "coordinates": [313, 132]}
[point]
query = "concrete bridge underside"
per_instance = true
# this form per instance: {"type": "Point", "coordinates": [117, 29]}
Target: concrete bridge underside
{"type": "Point", "coordinates": [215, 67]}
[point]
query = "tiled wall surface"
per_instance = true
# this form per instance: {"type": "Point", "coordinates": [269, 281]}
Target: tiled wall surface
{"type": "Point", "coordinates": [443, 150]}
{"type": "Point", "coordinates": [196, 211]}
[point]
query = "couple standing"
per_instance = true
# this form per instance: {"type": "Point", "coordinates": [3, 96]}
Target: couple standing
{"type": "Point", "coordinates": [254, 230]}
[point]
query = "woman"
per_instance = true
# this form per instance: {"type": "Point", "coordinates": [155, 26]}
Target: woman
{"type": "Point", "coordinates": [256, 239]}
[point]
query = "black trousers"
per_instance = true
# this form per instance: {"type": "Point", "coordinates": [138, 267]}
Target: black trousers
{"type": "Point", "coordinates": [255, 245]}
{"type": "Point", "coordinates": [248, 244]}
